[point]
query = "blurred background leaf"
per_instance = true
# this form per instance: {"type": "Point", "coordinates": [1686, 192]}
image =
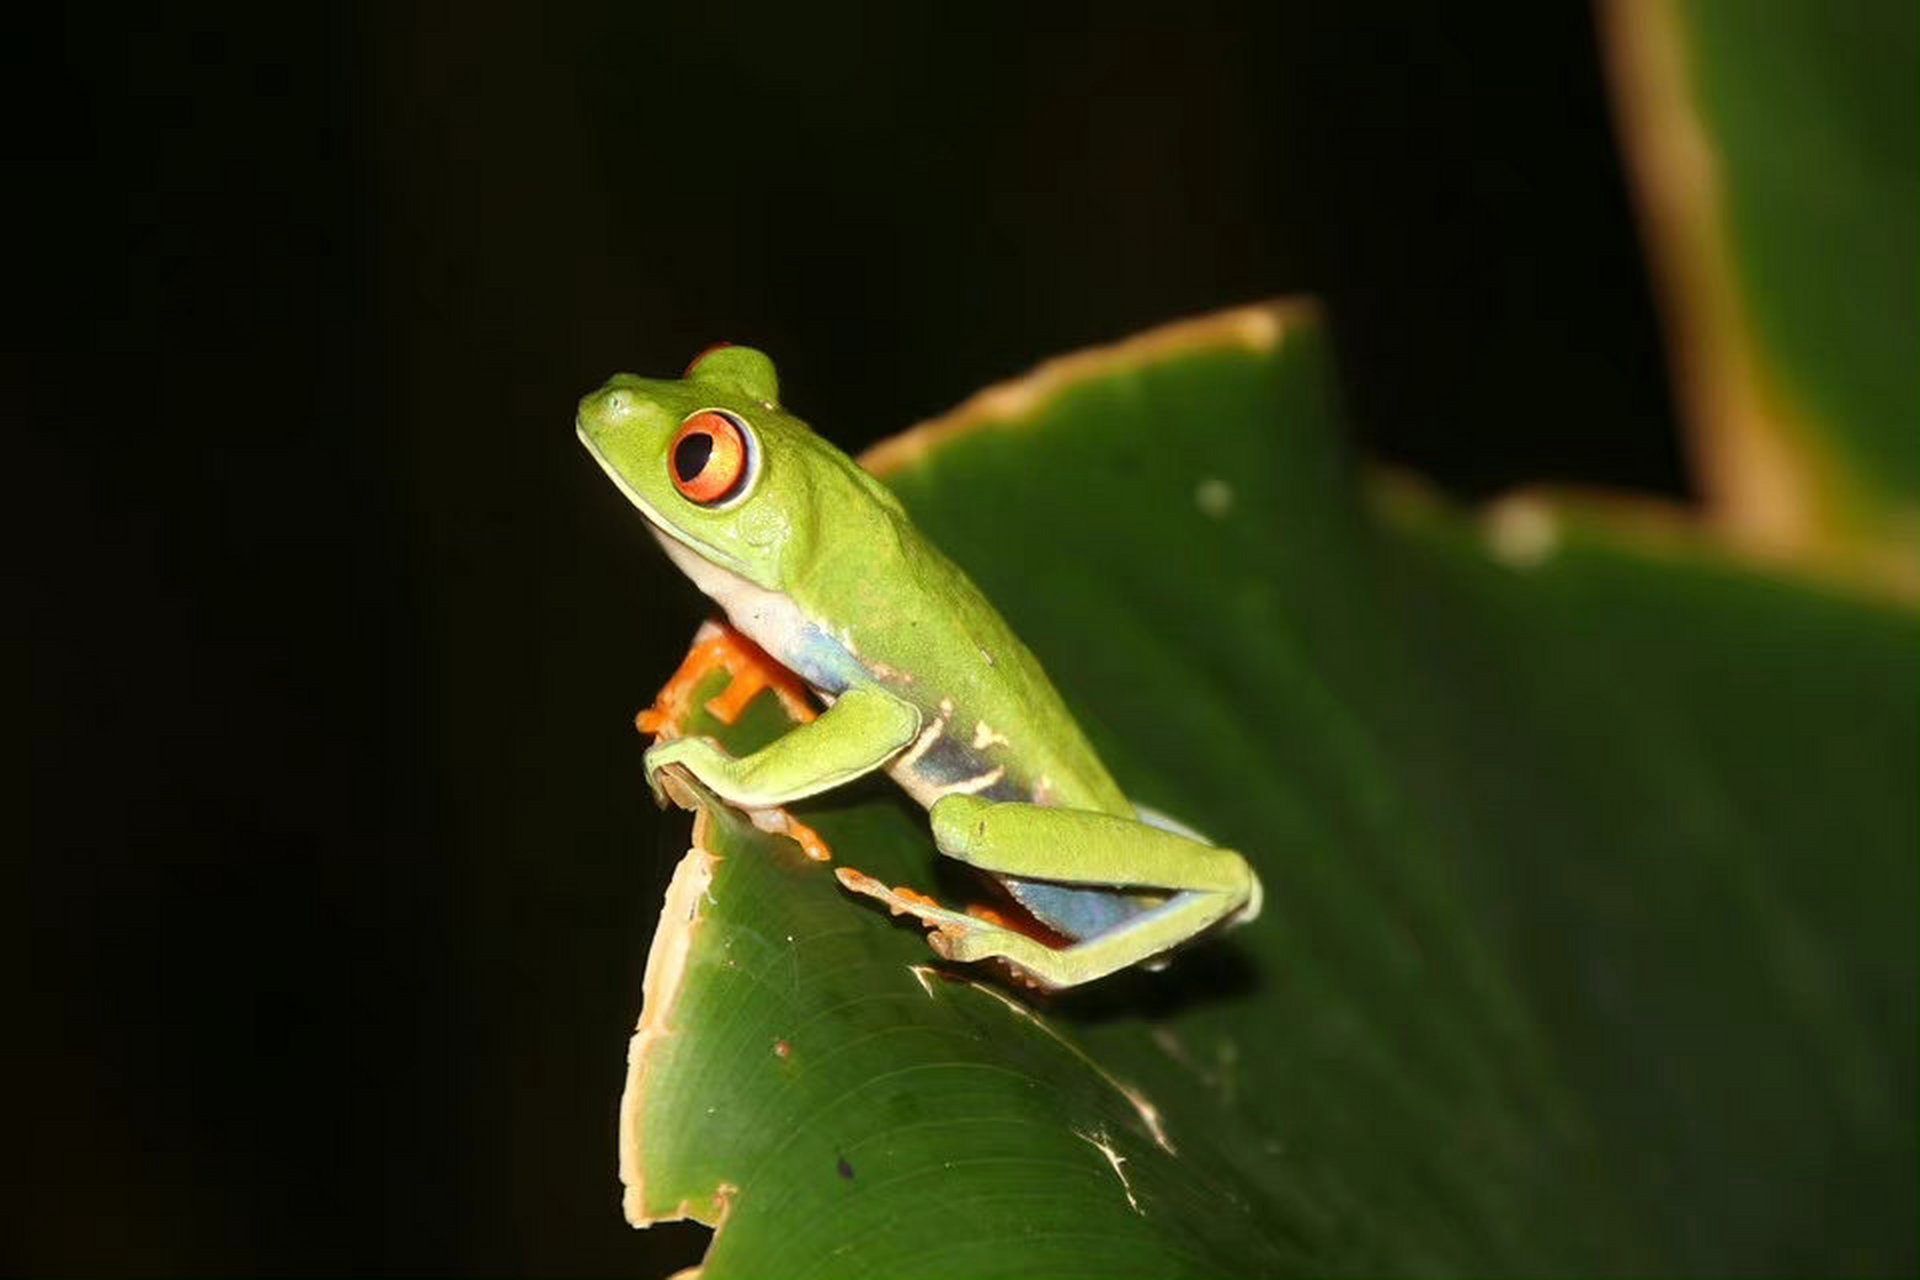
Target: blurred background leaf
{"type": "Point", "coordinates": [1773, 147]}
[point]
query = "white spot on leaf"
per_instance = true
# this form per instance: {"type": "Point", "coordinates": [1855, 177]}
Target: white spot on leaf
{"type": "Point", "coordinates": [1522, 532]}
{"type": "Point", "coordinates": [1214, 497]}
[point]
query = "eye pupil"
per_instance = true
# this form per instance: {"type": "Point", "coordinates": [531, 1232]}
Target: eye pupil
{"type": "Point", "coordinates": [691, 454]}
{"type": "Point", "coordinates": [711, 459]}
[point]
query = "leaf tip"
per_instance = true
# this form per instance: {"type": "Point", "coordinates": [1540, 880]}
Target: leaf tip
{"type": "Point", "coordinates": [1257, 327]}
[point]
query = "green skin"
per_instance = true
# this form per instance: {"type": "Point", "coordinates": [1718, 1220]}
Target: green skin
{"type": "Point", "coordinates": [816, 561]}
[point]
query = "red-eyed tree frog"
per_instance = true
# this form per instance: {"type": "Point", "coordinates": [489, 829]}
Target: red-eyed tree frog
{"type": "Point", "coordinates": [816, 561]}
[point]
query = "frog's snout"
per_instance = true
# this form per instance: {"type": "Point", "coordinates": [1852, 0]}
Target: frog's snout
{"type": "Point", "coordinates": [603, 409]}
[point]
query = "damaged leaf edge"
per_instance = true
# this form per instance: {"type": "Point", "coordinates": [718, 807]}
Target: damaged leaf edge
{"type": "Point", "coordinates": [666, 970]}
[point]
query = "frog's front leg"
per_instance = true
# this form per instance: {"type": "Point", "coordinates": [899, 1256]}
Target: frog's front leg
{"type": "Point", "coordinates": [860, 732]}
{"type": "Point", "coordinates": [1205, 884]}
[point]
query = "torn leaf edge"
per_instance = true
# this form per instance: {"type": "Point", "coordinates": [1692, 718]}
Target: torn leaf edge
{"type": "Point", "coordinates": [659, 994]}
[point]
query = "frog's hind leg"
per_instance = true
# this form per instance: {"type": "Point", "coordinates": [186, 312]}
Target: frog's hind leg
{"type": "Point", "coordinates": [1205, 885]}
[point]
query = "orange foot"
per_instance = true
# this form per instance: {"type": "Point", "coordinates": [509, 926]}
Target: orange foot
{"type": "Point", "coordinates": [718, 647]}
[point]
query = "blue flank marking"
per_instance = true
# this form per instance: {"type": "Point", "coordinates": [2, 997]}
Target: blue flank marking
{"type": "Point", "coordinates": [822, 661]}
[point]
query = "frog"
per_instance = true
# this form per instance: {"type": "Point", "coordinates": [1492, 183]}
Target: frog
{"type": "Point", "coordinates": [818, 563]}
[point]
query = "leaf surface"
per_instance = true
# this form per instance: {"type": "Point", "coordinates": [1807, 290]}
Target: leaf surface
{"type": "Point", "coordinates": [1589, 870]}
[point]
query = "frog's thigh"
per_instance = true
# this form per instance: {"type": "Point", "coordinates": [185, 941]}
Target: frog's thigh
{"type": "Point", "coordinates": [1078, 847]}
{"type": "Point", "coordinates": [1069, 845]}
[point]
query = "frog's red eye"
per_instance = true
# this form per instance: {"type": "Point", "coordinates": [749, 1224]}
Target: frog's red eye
{"type": "Point", "coordinates": [710, 457]}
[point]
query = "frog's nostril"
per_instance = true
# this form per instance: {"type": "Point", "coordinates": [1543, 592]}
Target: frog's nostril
{"type": "Point", "coordinates": [604, 408]}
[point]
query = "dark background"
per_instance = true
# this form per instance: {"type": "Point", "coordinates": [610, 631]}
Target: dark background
{"type": "Point", "coordinates": [338, 868]}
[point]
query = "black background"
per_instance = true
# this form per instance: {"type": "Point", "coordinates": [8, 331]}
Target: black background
{"type": "Point", "coordinates": [338, 868]}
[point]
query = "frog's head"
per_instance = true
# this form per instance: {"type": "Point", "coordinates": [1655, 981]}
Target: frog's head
{"type": "Point", "coordinates": [712, 461]}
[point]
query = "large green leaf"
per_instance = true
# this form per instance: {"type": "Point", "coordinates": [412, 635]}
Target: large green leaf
{"type": "Point", "coordinates": [1589, 860]}
{"type": "Point", "coordinates": [1775, 147]}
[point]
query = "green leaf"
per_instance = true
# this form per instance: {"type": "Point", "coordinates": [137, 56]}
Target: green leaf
{"type": "Point", "coordinates": [1774, 149]}
{"type": "Point", "coordinates": [1589, 869]}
